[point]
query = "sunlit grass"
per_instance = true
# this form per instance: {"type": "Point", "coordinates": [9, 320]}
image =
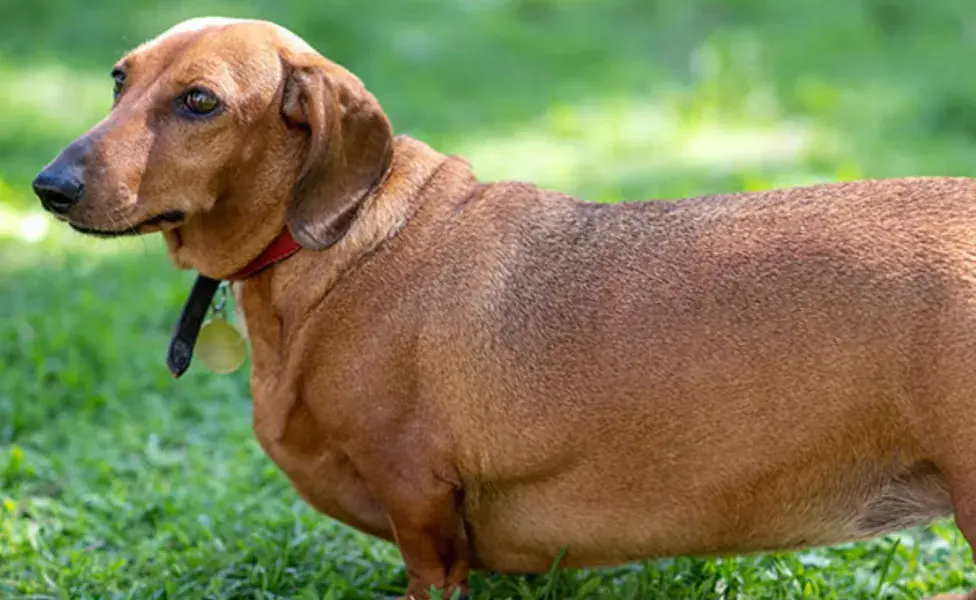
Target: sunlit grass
{"type": "Point", "coordinates": [34, 230]}
{"type": "Point", "coordinates": [30, 228]}
{"type": "Point", "coordinates": [575, 147]}
{"type": "Point", "coordinates": [64, 99]}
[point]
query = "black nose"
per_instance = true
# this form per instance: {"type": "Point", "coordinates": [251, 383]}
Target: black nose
{"type": "Point", "coordinates": [59, 188]}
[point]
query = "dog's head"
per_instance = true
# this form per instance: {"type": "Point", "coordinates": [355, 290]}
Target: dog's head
{"type": "Point", "coordinates": [222, 132]}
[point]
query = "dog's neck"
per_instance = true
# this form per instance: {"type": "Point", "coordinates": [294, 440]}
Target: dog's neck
{"type": "Point", "coordinates": [307, 275]}
{"type": "Point", "coordinates": [276, 302]}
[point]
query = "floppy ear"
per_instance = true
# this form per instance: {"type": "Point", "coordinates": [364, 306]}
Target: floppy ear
{"type": "Point", "coordinates": [350, 149]}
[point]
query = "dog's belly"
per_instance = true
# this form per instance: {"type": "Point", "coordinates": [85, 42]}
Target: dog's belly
{"type": "Point", "coordinates": [525, 529]}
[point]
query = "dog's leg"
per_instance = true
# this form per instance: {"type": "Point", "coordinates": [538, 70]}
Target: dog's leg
{"type": "Point", "coordinates": [964, 507]}
{"type": "Point", "coordinates": [963, 494]}
{"type": "Point", "coordinates": [424, 511]}
{"type": "Point", "coordinates": [431, 537]}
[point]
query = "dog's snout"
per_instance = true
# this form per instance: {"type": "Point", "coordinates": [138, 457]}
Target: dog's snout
{"type": "Point", "coordinates": [60, 185]}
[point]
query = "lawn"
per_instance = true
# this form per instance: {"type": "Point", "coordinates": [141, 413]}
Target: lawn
{"type": "Point", "coordinates": [117, 482]}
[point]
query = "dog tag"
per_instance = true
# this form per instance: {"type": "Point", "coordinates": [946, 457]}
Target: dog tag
{"type": "Point", "coordinates": [220, 346]}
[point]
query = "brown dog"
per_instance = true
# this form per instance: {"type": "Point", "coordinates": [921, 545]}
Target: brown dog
{"type": "Point", "coordinates": [487, 374]}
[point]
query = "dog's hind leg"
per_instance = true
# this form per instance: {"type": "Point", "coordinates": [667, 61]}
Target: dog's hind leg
{"type": "Point", "coordinates": [950, 437]}
{"type": "Point", "coordinates": [964, 509]}
{"type": "Point", "coordinates": [942, 412]}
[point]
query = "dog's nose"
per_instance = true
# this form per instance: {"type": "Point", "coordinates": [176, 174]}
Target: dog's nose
{"type": "Point", "coordinates": [59, 188]}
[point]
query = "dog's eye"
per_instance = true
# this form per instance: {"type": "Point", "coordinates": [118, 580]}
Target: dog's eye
{"type": "Point", "coordinates": [200, 102]}
{"type": "Point", "coordinates": [119, 76]}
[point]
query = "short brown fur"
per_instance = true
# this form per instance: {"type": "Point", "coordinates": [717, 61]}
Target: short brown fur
{"type": "Point", "coordinates": [488, 373]}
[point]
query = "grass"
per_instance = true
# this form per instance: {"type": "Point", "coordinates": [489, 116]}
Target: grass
{"type": "Point", "coordinates": [116, 482]}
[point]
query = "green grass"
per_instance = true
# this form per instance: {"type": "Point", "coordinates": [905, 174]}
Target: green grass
{"type": "Point", "coordinates": [116, 482]}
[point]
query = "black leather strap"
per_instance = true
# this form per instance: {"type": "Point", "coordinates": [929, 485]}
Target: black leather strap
{"type": "Point", "coordinates": [188, 327]}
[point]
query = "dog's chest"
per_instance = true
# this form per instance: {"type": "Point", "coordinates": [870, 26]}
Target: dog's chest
{"type": "Point", "coordinates": [321, 474]}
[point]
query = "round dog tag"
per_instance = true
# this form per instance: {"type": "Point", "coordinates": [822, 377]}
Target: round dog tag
{"type": "Point", "coordinates": [220, 347]}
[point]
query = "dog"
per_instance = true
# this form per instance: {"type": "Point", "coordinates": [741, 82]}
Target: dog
{"type": "Point", "coordinates": [492, 375]}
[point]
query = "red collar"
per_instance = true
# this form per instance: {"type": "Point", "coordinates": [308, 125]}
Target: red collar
{"type": "Point", "coordinates": [278, 250]}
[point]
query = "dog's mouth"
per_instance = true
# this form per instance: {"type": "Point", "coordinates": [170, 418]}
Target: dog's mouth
{"type": "Point", "coordinates": [166, 218]}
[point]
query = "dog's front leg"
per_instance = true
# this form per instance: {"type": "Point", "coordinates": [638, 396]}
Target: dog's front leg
{"type": "Point", "coordinates": [431, 537]}
{"type": "Point", "coordinates": [424, 511]}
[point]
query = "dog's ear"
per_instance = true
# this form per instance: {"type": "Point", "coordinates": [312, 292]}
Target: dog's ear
{"type": "Point", "coordinates": [350, 149]}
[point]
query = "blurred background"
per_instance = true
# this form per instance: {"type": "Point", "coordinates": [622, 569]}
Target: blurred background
{"type": "Point", "coordinates": [117, 482]}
